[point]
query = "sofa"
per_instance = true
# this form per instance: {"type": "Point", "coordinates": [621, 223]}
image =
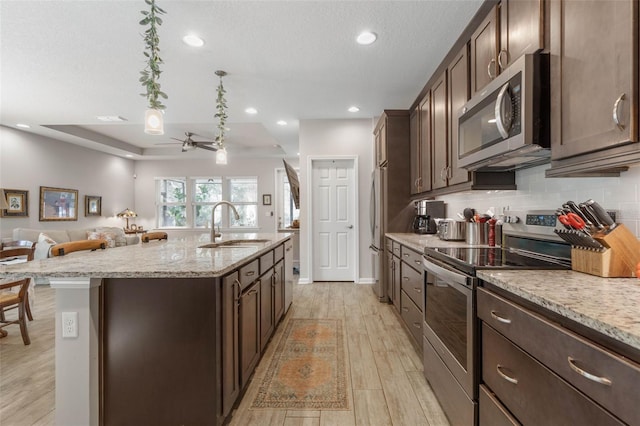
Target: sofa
{"type": "Point", "coordinates": [46, 238]}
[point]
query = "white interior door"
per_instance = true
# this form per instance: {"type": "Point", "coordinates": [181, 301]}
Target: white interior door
{"type": "Point", "coordinates": [333, 218]}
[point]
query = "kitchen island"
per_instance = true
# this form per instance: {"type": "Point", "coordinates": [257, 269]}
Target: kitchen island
{"type": "Point", "coordinates": [160, 333]}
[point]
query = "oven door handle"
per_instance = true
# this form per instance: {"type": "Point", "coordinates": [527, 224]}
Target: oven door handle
{"type": "Point", "coordinates": [447, 275]}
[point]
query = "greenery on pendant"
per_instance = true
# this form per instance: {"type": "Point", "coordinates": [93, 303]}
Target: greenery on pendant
{"type": "Point", "coordinates": [151, 73]}
{"type": "Point", "coordinates": [221, 114]}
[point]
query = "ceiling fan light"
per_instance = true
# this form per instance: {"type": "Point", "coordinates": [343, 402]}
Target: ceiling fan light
{"type": "Point", "coordinates": [221, 156]}
{"type": "Point", "coordinates": [153, 122]}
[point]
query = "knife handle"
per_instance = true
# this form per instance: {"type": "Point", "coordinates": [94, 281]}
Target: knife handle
{"type": "Point", "coordinates": [601, 214]}
{"type": "Point", "coordinates": [591, 215]}
{"type": "Point", "coordinates": [575, 209]}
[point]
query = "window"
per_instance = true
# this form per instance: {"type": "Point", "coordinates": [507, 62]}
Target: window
{"type": "Point", "coordinates": [203, 194]}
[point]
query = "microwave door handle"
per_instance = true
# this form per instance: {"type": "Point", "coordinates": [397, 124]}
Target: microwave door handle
{"type": "Point", "coordinates": [503, 127]}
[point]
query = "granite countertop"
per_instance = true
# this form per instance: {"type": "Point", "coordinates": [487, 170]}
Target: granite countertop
{"type": "Point", "coordinates": [173, 258]}
{"type": "Point", "coordinates": [606, 305]}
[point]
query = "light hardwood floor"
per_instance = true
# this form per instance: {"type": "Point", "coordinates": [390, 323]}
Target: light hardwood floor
{"type": "Point", "coordinates": [385, 371]}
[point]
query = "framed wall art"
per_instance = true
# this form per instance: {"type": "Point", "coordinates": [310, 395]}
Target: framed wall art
{"type": "Point", "coordinates": [17, 203]}
{"type": "Point", "coordinates": [92, 205]}
{"type": "Point", "coordinates": [57, 204]}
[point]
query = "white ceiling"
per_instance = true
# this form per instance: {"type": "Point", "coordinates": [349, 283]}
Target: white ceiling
{"type": "Point", "coordinates": [63, 63]}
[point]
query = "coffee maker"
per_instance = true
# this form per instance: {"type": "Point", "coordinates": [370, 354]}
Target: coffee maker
{"type": "Point", "coordinates": [426, 212]}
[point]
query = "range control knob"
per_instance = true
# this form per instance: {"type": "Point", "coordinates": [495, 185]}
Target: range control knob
{"type": "Point", "coordinates": [511, 219]}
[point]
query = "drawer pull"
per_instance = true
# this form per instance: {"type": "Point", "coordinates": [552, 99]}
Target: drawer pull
{"type": "Point", "coordinates": [252, 292]}
{"type": "Point", "coordinates": [406, 255]}
{"type": "Point", "coordinates": [418, 262]}
{"type": "Point", "coordinates": [587, 375]}
{"type": "Point", "coordinates": [417, 289]}
{"type": "Point", "coordinates": [250, 273]}
{"type": "Point", "coordinates": [504, 376]}
{"type": "Point", "coordinates": [405, 309]}
{"type": "Point", "coordinates": [405, 278]}
{"type": "Point", "coordinates": [499, 318]}
{"type": "Point", "coordinates": [416, 324]}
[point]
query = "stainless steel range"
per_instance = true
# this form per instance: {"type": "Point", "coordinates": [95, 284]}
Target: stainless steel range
{"type": "Point", "coordinates": [450, 336]}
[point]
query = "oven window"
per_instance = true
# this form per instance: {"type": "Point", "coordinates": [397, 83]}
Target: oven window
{"type": "Point", "coordinates": [446, 314]}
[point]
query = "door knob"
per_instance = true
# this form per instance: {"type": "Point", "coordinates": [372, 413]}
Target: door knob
{"type": "Point", "coordinates": [350, 227]}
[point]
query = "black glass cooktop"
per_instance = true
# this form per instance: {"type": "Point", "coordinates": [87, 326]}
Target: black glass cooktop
{"type": "Point", "coordinates": [469, 259]}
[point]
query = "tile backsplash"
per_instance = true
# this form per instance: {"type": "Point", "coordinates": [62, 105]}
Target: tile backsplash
{"type": "Point", "coordinates": [535, 191]}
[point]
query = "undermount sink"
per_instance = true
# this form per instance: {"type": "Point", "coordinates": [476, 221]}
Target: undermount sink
{"type": "Point", "coordinates": [234, 243]}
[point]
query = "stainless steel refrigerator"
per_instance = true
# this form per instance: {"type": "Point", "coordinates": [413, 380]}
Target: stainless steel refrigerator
{"type": "Point", "coordinates": [388, 213]}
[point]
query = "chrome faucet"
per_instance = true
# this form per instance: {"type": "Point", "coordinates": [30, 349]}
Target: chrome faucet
{"type": "Point", "coordinates": [215, 234]}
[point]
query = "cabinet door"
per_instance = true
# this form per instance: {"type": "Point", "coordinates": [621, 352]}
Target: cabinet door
{"type": "Point", "coordinates": [425, 142]}
{"type": "Point", "coordinates": [389, 277]}
{"type": "Point", "coordinates": [249, 331]}
{"type": "Point", "coordinates": [266, 308]}
{"type": "Point", "coordinates": [521, 29]}
{"type": "Point", "coordinates": [484, 51]}
{"type": "Point", "coordinates": [592, 86]}
{"type": "Point", "coordinates": [381, 144]}
{"type": "Point", "coordinates": [278, 292]}
{"type": "Point", "coordinates": [414, 150]}
{"type": "Point", "coordinates": [230, 348]}
{"type": "Point", "coordinates": [458, 85]}
{"type": "Point", "coordinates": [440, 140]}
{"type": "Point", "coordinates": [396, 283]}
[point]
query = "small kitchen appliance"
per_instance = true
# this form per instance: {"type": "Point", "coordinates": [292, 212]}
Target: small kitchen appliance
{"type": "Point", "coordinates": [426, 212]}
{"type": "Point", "coordinates": [449, 328]}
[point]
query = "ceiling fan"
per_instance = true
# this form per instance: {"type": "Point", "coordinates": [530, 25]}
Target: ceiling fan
{"type": "Point", "coordinates": [189, 144]}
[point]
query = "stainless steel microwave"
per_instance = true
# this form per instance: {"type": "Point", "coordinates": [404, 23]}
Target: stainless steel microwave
{"type": "Point", "coordinates": [506, 126]}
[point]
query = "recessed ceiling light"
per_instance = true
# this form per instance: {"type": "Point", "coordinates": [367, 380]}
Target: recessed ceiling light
{"type": "Point", "coordinates": [366, 37]}
{"type": "Point", "coordinates": [129, 155]}
{"type": "Point", "coordinates": [298, 154]}
{"type": "Point", "coordinates": [282, 123]}
{"type": "Point", "coordinates": [251, 110]}
{"type": "Point", "coordinates": [354, 109]}
{"type": "Point", "coordinates": [23, 126]}
{"type": "Point", "coordinates": [111, 118]}
{"type": "Point", "coordinates": [193, 40]}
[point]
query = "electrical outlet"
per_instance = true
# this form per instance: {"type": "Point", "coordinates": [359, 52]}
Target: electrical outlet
{"type": "Point", "coordinates": [69, 325]}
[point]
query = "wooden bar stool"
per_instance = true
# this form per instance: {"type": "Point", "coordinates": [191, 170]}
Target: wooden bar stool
{"type": "Point", "coordinates": [156, 235]}
{"type": "Point", "coordinates": [17, 249]}
{"type": "Point", "coordinates": [66, 248]}
{"type": "Point", "coordinates": [10, 300]}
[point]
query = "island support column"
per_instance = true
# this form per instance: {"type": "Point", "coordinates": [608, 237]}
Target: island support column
{"type": "Point", "coordinates": [77, 368]}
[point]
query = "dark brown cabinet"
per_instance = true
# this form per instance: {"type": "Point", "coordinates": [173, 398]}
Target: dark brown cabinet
{"type": "Point", "coordinates": [484, 52]}
{"type": "Point", "coordinates": [594, 87]}
{"type": "Point", "coordinates": [381, 144]}
{"type": "Point", "coordinates": [249, 331]}
{"type": "Point", "coordinates": [414, 149]}
{"type": "Point", "coordinates": [420, 126]}
{"type": "Point", "coordinates": [230, 344]}
{"type": "Point", "coordinates": [278, 291]}
{"type": "Point", "coordinates": [266, 308]}
{"type": "Point", "coordinates": [450, 93]}
{"type": "Point", "coordinates": [393, 272]}
{"type": "Point", "coordinates": [521, 29]}
{"type": "Point", "coordinates": [411, 288]}
{"type": "Point", "coordinates": [538, 369]}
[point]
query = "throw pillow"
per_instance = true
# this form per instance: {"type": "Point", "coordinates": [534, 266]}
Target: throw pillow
{"type": "Point", "coordinates": [43, 245]}
{"type": "Point", "coordinates": [118, 233]}
{"type": "Point", "coordinates": [109, 236]}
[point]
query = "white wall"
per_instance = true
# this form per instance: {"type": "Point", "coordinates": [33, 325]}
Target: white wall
{"type": "Point", "coordinates": [147, 171]}
{"type": "Point", "coordinates": [537, 192]}
{"type": "Point", "coordinates": [338, 138]}
{"type": "Point", "coordinates": [29, 161]}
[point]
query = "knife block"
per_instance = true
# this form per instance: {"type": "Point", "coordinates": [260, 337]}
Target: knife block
{"type": "Point", "coordinates": [618, 260]}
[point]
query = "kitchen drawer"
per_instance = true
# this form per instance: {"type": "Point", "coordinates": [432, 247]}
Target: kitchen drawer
{"type": "Point", "coordinates": [460, 410]}
{"type": "Point", "coordinates": [396, 248]}
{"type": "Point", "coordinates": [534, 394]}
{"type": "Point", "coordinates": [412, 284]}
{"type": "Point", "coordinates": [491, 412]}
{"type": "Point", "coordinates": [411, 315]}
{"type": "Point", "coordinates": [266, 262]}
{"type": "Point", "coordinates": [278, 252]}
{"type": "Point", "coordinates": [567, 354]}
{"type": "Point", "coordinates": [249, 273]}
{"type": "Point", "coordinates": [411, 257]}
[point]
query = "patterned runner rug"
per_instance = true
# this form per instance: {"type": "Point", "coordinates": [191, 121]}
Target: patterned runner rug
{"type": "Point", "coordinates": [308, 369]}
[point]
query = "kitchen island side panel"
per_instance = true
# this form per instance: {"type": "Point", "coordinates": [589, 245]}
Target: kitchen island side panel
{"type": "Point", "coordinates": [159, 344]}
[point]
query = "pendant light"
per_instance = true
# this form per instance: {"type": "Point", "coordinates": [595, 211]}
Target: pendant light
{"type": "Point", "coordinates": [153, 118]}
{"type": "Point", "coordinates": [221, 115]}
